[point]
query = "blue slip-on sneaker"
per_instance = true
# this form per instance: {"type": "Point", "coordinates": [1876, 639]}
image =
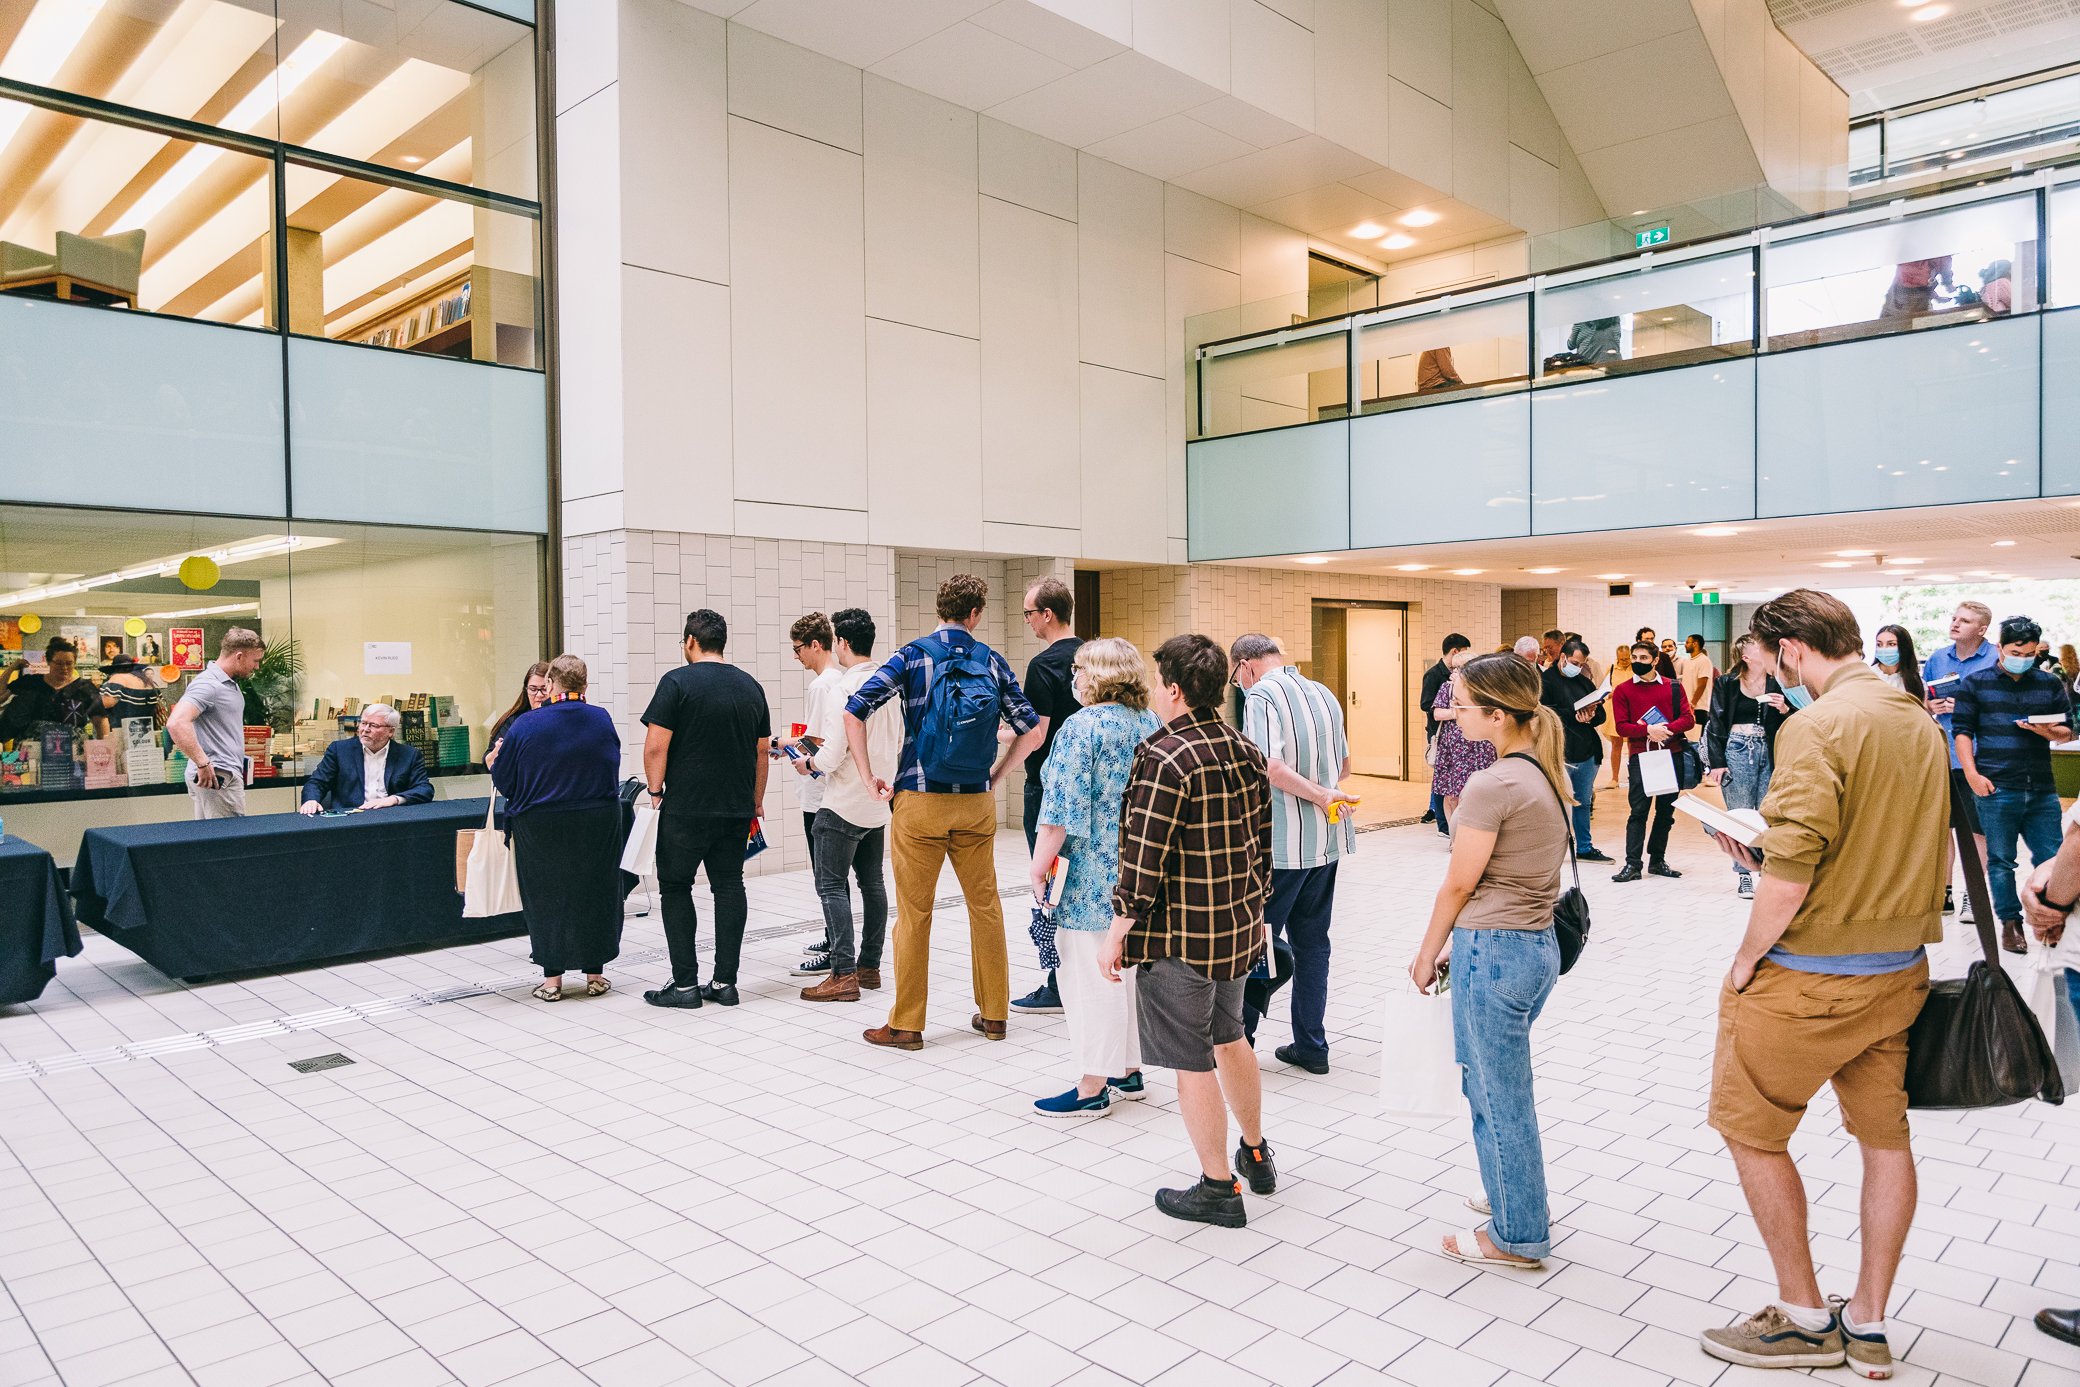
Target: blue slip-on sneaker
{"type": "Point", "coordinates": [1041, 1001]}
{"type": "Point", "coordinates": [1131, 1088]}
{"type": "Point", "coordinates": [1072, 1104]}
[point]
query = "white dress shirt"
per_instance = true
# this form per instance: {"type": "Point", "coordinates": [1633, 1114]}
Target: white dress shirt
{"type": "Point", "coordinates": [373, 764]}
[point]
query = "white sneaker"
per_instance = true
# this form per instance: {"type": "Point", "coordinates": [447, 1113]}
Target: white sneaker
{"type": "Point", "coordinates": [1747, 888]}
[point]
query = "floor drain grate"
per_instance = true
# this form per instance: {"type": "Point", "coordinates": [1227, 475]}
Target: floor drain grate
{"type": "Point", "coordinates": [319, 1063]}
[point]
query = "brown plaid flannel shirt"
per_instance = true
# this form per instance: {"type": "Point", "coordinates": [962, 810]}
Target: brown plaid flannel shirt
{"type": "Point", "coordinates": [1195, 848]}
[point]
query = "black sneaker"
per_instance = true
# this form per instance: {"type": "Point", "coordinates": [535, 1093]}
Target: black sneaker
{"type": "Point", "coordinates": [1661, 869]}
{"type": "Point", "coordinates": [1429, 817]}
{"type": "Point", "coordinates": [1291, 1054]}
{"type": "Point", "coordinates": [1592, 855]}
{"type": "Point", "coordinates": [687, 997]}
{"type": "Point", "coordinates": [813, 964]}
{"type": "Point", "coordinates": [1631, 873]}
{"type": "Point", "coordinates": [1257, 1168]}
{"type": "Point", "coordinates": [1206, 1202]}
{"type": "Point", "coordinates": [1041, 1001]}
{"type": "Point", "coordinates": [1949, 900]}
{"type": "Point", "coordinates": [722, 994]}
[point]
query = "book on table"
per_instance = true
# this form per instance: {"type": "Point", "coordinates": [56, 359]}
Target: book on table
{"type": "Point", "coordinates": [1744, 826]}
{"type": "Point", "coordinates": [1601, 692]}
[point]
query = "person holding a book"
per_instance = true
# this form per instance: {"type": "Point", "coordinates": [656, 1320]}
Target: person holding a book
{"type": "Point", "coordinates": [1648, 711]}
{"type": "Point", "coordinates": [1082, 785]}
{"type": "Point", "coordinates": [1578, 701]}
{"type": "Point", "coordinates": [1740, 744]}
{"type": "Point", "coordinates": [1968, 652]}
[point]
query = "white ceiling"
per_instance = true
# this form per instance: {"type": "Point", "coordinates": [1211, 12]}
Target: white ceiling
{"type": "Point", "coordinates": [1883, 57]}
{"type": "Point", "coordinates": [1953, 543]}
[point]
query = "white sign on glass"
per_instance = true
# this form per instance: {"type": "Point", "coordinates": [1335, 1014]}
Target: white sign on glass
{"type": "Point", "coordinates": [386, 657]}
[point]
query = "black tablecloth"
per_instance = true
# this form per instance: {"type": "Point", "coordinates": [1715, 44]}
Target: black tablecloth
{"type": "Point", "coordinates": [36, 925]}
{"type": "Point", "coordinates": [229, 895]}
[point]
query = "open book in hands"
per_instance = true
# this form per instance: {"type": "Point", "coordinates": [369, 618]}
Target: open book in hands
{"type": "Point", "coordinates": [1601, 692]}
{"type": "Point", "coordinates": [1744, 826]}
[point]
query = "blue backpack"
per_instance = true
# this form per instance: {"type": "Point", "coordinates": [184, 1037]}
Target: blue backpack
{"type": "Point", "coordinates": [957, 741]}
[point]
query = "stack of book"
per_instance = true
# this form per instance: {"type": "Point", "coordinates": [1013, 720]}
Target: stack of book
{"type": "Point", "coordinates": [60, 769]}
{"type": "Point", "coordinates": [259, 740]}
{"type": "Point", "coordinates": [454, 746]}
{"type": "Point", "coordinates": [102, 772]}
{"type": "Point", "coordinates": [144, 761]}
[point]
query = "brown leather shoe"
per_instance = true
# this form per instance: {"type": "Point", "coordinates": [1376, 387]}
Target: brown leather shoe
{"type": "Point", "coordinates": [2011, 937]}
{"type": "Point", "coordinates": [993, 1029]}
{"type": "Point", "coordinates": [894, 1039]}
{"type": "Point", "coordinates": [834, 987]}
{"type": "Point", "coordinates": [869, 978]}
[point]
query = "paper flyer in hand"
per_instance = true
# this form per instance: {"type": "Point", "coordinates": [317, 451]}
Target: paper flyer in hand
{"type": "Point", "coordinates": [1744, 826]}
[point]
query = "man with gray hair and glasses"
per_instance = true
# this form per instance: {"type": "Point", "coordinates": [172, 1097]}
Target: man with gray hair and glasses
{"type": "Point", "coordinates": [370, 770]}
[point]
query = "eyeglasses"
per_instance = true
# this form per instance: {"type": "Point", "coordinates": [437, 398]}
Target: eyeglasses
{"type": "Point", "coordinates": [798, 647]}
{"type": "Point", "coordinates": [1030, 613]}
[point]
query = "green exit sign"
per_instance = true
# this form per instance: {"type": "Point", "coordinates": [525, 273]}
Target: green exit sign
{"type": "Point", "coordinates": [1704, 599]}
{"type": "Point", "coordinates": [1656, 236]}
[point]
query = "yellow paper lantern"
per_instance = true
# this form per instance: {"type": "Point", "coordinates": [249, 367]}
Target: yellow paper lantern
{"type": "Point", "coordinates": [30, 623]}
{"type": "Point", "coordinates": [134, 626]}
{"type": "Point", "coordinates": [199, 573]}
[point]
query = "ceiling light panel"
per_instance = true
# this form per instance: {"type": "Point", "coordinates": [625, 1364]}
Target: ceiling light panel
{"type": "Point", "coordinates": [43, 43]}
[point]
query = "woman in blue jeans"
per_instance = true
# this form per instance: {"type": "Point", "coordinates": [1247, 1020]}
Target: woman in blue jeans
{"type": "Point", "coordinates": [1496, 910]}
{"type": "Point", "coordinates": [1740, 744]}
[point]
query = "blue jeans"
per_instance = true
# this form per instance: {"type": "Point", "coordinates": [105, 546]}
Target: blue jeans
{"type": "Point", "coordinates": [2030, 813]}
{"type": "Point", "coordinates": [1298, 912]}
{"type": "Point", "coordinates": [1748, 769]}
{"type": "Point", "coordinates": [1500, 981]}
{"type": "Point", "coordinates": [1581, 777]}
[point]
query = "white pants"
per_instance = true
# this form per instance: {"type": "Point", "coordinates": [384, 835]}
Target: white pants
{"type": "Point", "coordinates": [1104, 1038]}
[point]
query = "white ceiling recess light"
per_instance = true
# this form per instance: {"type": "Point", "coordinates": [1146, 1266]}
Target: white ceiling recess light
{"type": "Point", "coordinates": [1311, 558]}
{"type": "Point", "coordinates": [1421, 216]}
{"type": "Point", "coordinates": [1412, 568]}
{"type": "Point", "coordinates": [1906, 563]}
{"type": "Point", "coordinates": [2004, 544]}
{"type": "Point", "coordinates": [1613, 577]}
{"type": "Point", "coordinates": [1397, 241]}
{"type": "Point", "coordinates": [1545, 570]}
{"type": "Point", "coordinates": [1367, 230]}
{"type": "Point", "coordinates": [1837, 563]}
{"type": "Point", "coordinates": [1928, 12]}
{"type": "Point", "coordinates": [1855, 553]}
{"type": "Point", "coordinates": [1715, 532]}
{"type": "Point", "coordinates": [1468, 572]}
{"type": "Point", "coordinates": [46, 39]}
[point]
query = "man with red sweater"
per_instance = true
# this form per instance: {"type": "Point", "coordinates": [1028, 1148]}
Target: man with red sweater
{"type": "Point", "coordinates": [1630, 703]}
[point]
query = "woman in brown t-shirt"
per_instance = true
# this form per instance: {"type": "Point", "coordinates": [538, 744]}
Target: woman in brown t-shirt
{"type": "Point", "coordinates": [1496, 908]}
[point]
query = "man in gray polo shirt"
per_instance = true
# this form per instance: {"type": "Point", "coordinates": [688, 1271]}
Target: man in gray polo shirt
{"type": "Point", "coordinates": [208, 725]}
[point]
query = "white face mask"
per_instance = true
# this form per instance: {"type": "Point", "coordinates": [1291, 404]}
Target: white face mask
{"type": "Point", "coordinates": [1571, 670]}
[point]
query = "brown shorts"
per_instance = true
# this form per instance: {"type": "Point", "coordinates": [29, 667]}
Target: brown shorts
{"type": "Point", "coordinates": [1791, 1032]}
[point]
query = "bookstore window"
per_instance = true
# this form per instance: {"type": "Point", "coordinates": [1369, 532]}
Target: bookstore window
{"type": "Point", "coordinates": [441, 625]}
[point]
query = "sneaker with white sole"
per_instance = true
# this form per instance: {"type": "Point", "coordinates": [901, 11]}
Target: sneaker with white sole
{"type": "Point", "coordinates": [1870, 1355]}
{"type": "Point", "coordinates": [1131, 1088]}
{"type": "Point", "coordinates": [1074, 1105]}
{"type": "Point", "coordinates": [1746, 890]}
{"type": "Point", "coordinates": [813, 965]}
{"type": "Point", "coordinates": [1769, 1338]}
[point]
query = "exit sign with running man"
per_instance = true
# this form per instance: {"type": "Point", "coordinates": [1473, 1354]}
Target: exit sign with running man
{"type": "Point", "coordinates": [1657, 236]}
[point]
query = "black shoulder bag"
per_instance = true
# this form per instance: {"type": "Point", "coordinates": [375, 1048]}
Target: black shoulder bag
{"type": "Point", "coordinates": [1976, 1043]}
{"type": "Point", "coordinates": [1571, 911]}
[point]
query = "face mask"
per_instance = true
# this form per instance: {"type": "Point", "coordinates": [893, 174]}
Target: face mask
{"type": "Point", "coordinates": [1570, 671]}
{"type": "Point", "coordinates": [1642, 668]}
{"type": "Point", "coordinates": [2017, 664]}
{"type": "Point", "coordinates": [1795, 693]}
{"type": "Point", "coordinates": [1888, 655]}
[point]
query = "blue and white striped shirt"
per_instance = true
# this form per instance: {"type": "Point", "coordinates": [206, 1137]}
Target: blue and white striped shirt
{"type": "Point", "coordinates": [1293, 719]}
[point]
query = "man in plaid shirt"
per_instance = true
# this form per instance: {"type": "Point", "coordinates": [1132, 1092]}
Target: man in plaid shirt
{"type": "Point", "coordinates": [1195, 874]}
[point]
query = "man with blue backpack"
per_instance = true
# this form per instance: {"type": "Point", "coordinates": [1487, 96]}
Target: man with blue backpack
{"type": "Point", "coordinates": [955, 691]}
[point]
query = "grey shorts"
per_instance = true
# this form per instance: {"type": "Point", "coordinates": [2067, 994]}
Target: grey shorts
{"type": "Point", "coordinates": [1183, 1015]}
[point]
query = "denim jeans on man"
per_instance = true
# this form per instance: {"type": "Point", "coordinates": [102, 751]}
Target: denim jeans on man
{"type": "Point", "coordinates": [1581, 778]}
{"type": "Point", "coordinates": [1747, 775]}
{"type": "Point", "coordinates": [843, 848]}
{"type": "Point", "coordinates": [1298, 911]}
{"type": "Point", "coordinates": [687, 844]}
{"type": "Point", "coordinates": [1500, 981]}
{"type": "Point", "coordinates": [2030, 813]}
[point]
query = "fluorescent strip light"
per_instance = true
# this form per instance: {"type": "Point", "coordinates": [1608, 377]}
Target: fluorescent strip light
{"type": "Point", "coordinates": [224, 610]}
{"type": "Point", "coordinates": [265, 547]}
{"type": "Point", "coordinates": [46, 40]}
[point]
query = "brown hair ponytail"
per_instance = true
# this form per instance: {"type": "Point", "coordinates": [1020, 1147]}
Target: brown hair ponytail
{"type": "Point", "coordinates": [1511, 686]}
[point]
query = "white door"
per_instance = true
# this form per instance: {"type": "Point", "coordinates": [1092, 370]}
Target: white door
{"type": "Point", "coordinates": [1377, 680]}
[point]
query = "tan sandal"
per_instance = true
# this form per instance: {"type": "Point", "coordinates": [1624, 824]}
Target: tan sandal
{"type": "Point", "coordinates": [598, 987]}
{"type": "Point", "coordinates": [546, 993]}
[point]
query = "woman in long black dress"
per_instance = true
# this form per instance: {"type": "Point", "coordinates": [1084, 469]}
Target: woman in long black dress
{"type": "Point", "coordinates": [557, 771]}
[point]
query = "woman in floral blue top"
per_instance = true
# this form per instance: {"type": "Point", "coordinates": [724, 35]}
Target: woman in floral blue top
{"type": "Point", "coordinates": [1082, 786]}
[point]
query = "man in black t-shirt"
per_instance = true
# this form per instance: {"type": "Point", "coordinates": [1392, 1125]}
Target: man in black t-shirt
{"type": "Point", "coordinates": [1050, 613]}
{"type": "Point", "coordinates": [704, 763]}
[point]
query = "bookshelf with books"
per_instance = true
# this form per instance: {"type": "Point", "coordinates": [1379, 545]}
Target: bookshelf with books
{"type": "Point", "coordinates": [484, 314]}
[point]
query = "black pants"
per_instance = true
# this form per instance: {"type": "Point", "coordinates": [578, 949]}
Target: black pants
{"type": "Point", "coordinates": [686, 845]}
{"type": "Point", "coordinates": [1664, 809]}
{"type": "Point", "coordinates": [842, 848]}
{"type": "Point", "coordinates": [1301, 903]}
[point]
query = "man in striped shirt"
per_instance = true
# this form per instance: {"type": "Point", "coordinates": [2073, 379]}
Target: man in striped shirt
{"type": "Point", "coordinates": [1298, 725]}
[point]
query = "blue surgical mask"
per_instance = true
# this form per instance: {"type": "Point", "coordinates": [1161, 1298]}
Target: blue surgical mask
{"type": "Point", "coordinates": [1797, 695]}
{"type": "Point", "coordinates": [1888, 655]}
{"type": "Point", "coordinates": [2018, 664]}
{"type": "Point", "coordinates": [1570, 671]}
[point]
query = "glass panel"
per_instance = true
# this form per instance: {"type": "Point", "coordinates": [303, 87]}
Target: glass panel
{"type": "Point", "coordinates": [1877, 425]}
{"type": "Point", "coordinates": [209, 61]}
{"type": "Point", "coordinates": [2061, 392]}
{"type": "Point", "coordinates": [108, 406]}
{"type": "Point", "coordinates": [1603, 460]}
{"type": "Point", "coordinates": [388, 436]}
{"type": "Point", "coordinates": [1958, 266]}
{"type": "Point", "coordinates": [1273, 386]}
{"type": "Point", "coordinates": [100, 213]}
{"type": "Point", "coordinates": [1272, 493]}
{"type": "Point", "coordinates": [1668, 315]}
{"type": "Point", "coordinates": [461, 612]}
{"type": "Point", "coordinates": [1999, 126]}
{"type": "Point", "coordinates": [2062, 245]}
{"type": "Point", "coordinates": [433, 86]}
{"type": "Point", "coordinates": [1403, 493]}
{"type": "Point", "coordinates": [1450, 355]}
{"type": "Point", "coordinates": [1865, 146]}
{"type": "Point", "coordinates": [393, 267]}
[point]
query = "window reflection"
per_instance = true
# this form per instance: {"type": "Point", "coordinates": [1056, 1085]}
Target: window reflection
{"type": "Point", "coordinates": [1457, 354]}
{"type": "Point", "coordinates": [1671, 315]}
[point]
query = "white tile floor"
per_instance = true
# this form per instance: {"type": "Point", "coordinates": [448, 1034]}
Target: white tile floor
{"type": "Point", "coordinates": [498, 1191]}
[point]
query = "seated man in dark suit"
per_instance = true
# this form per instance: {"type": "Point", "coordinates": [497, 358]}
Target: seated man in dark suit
{"type": "Point", "coordinates": [370, 770]}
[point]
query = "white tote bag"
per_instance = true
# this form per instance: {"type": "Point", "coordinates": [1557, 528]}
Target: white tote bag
{"type": "Point", "coordinates": [492, 884]}
{"type": "Point", "coordinates": [639, 853]}
{"type": "Point", "coordinates": [1418, 1076]}
{"type": "Point", "coordinates": [1656, 771]}
{"type": "Point", "coordinates": [2044, 984]}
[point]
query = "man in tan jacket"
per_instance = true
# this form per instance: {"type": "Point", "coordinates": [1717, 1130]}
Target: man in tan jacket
{"type": "Point", "coordinates": [1830, 974]}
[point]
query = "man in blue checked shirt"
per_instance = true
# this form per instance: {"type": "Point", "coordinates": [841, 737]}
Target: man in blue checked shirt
{"type": "Point", "coordinates": [955, 691]}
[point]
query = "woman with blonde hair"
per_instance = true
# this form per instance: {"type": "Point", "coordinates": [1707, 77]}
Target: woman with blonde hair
{"type": "Point", "coordinates": [1619, 671]}
{"type": "Point", "coordinates": [1081, 788]}
{"type": "Point", "coordinates": [1495, 907]}
{"type": "Point", "coordinates": [557, 771]}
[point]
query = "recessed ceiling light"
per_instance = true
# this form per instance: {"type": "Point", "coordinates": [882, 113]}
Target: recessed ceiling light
{"type": "Point", "coordinates": [1545, 570]}
{"type": "Point", "coordinates": [1907, 563]}
{"type": "Point", "coordinates": [1612, 577]}
{"type": "Point", "coordinates": [1855, 553]}
{"type": "Point", "coordinates": [1421, 216]}
{"type": "Point", "coordinates": [1980, 573]}
{"type": "Point", "coordinates": [1397, 241]}
{"type": "Point", "coordinates": [2004, 544]}
{"type": "Point", "coordinates": [1928, 12]}
{"type": "Point", "coordinates": [1365, 231]}
{"type": "Point", "coordinates": [1940, 577]}
{"type": "Point", "coordinates": [414, 159]}
{"type": "Point", "coordinates": [1837, 563]}
{"type": "Point", "coordinates": [1715, 532]}
{"type": "Point", "coordinates": [1643, 585]}
{"type": "Point", "coordinates": [1413, 567]}
{"type": "Point", "coordinates": [1468, 572]}
{"type": "Point", "coordinates": [1310, 558]}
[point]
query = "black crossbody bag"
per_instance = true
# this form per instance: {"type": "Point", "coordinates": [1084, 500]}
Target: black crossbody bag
{"type": "Point", "coordinates": [1571, 911]}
